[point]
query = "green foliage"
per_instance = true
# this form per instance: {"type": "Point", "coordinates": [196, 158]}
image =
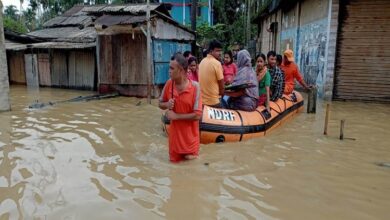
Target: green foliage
{"type": "Point", "coordinates": [14, 25]}
{"type": "Point", "coordinates": [233, 15]}
{"type": "Point", "coordinates": [11, 11]}
{"type": "Point", "coordinates": [207, 33]}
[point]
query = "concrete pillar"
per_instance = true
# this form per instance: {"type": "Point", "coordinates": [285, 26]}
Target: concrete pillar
{"type": "Point", "coordinates": [330, 55]}
{"type": "Point", "coordinates": [4, 82]}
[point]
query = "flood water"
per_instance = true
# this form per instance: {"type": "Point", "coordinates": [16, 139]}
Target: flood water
{"type": "Point", "coordinates": [108, 159]}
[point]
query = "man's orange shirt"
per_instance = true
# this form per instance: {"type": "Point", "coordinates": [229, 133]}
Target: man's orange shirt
{"type": "Point", "coordinates": [184, 134]}
{"type": "Point", "coordinates": [291, 72]}
{"type": "Point", "coordinates": [210, 72]}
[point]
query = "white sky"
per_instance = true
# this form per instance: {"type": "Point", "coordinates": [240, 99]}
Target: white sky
{"type": "Point", "coordinates": [16, 3]}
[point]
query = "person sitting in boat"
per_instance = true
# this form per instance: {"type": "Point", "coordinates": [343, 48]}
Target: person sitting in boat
{"type": "Point", "coordinates": [264, 79]}
{"type": "Point", "coordinates": [229, 68]}
{"type": "Point", "coordinates": [245, 99]}
{"type": "Point", "coordinates": [192, 69]}
{"type": "Point", "coordinates": [211, 80]}
{"type": "Point", "coordinates": [291, 72]}
{"type": "Point", "coordinates": [187, 54]}
{"type": "Point", "coordinates": [279, 60]}
{"type": "Point", "coordinates": [277, 77]}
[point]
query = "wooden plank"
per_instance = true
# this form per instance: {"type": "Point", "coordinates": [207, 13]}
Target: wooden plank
{"type": "Point", "coordinates": [367, 87]}
{"type": "Point", "coordinates": [44, 69]}
{"type": "Point", "coordinates": [72, 70]}
{"type": "Point", "coordinates": [116, 59]}
{"type": "Point", "coordinates": [31, 67]}
{"type": "Point", "coordinates": [362, 75]}
{"type": "Point", "coordinates": [59, 69]}
{"type": "Point", "coordinates": [86, 69]}
{"type": "Point", "coordinates": [17, 67]}
{"type": "Point", "coordinates": [125, 58]}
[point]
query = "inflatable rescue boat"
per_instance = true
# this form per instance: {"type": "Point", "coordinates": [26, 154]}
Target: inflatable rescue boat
{"type": "Point", "coordinates": [225, 125]}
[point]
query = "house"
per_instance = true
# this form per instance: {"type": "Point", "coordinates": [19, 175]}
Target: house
{"type": "Point", "coordinates": [65, 57]}
{"type": "Point", "coordinates": [121, 46]}
{"type": "Point", "coordinates": [100, 47]}
{"type": "Point", "coordinates": [15, 44]}
{"type": "Point", "coordinates": [340, 45]}
{"type": "Point", "coordinates": [181, 11]}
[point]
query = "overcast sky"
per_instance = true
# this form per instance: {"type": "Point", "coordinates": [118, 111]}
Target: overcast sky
{"type": "Point", "coordinates": [15, 2]}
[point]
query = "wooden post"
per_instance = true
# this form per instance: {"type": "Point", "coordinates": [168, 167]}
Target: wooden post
{"type": "Point", "coordinates": [248, 22]}
{"type": "Point", "coordinates": [342, 129]}
{"type": "Point", "coordinates": [4, 82]}
{"type": "Point", "coordinates": [194, 8]}
{"type": "Point", "coordinates": [312, 100]}
{"type": "Point", "coordinates": [326, 119]}
{"type": "Point", "coordinates": [148, 54]}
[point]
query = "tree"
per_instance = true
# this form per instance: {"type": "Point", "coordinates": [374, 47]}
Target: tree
{"type": "Point", "coordinates": [12, 21]}
{"type": "Point", "coordinates": [14, 25]}
{"type": "Point", "coordinates": [4, 83]}
{"type": "Point", "coordinates": [11, 11]}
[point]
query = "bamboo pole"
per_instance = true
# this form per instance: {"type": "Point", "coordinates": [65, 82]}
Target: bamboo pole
{"type": "Point", "coordinates": [148, 54]}
{"type": "Point", "coordinates": [342, 122]}
{"type": "Point", "coordinates": [326, 119]}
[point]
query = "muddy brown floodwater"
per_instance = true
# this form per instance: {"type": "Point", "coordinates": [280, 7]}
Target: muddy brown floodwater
{"type": "Point", "coordinates": [108, 159]}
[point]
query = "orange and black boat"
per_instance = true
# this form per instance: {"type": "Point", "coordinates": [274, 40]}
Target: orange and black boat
{"type": "Point", "coordinates": [225, 125]}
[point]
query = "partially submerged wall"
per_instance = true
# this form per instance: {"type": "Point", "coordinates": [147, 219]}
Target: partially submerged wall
{"type": "Point", "coordinates": [305, 29]}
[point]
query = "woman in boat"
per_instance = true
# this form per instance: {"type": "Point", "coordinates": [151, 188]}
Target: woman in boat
{"type": "Point", "coordinates": [264, 79]}
{"type": "Point", "coordinates": [192, 69]}
{"type": "Point", "coordinates": [244, 99]}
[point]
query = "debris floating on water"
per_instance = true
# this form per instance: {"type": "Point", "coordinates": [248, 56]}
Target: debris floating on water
{"type": "Point", "coordinates": [39, 105]}
{"type": "Point", "coordinates": [383, 164]}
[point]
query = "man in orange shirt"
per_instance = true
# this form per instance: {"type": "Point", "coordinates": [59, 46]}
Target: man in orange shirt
{"type": "Point", "coordinates": [291, 72]}
{"type": "Point", "coordinates": [211, 80]}
{"type": "Point", "coordinates": [181, 97]}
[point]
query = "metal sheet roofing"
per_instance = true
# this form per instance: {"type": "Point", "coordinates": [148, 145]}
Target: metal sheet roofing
{"type": "Point", "coordinates": [109, 20]}
{"type": "Point", "coordinates": [73, 34]}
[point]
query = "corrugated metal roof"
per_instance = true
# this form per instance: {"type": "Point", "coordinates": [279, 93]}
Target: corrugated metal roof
{"type": "Point", "coordinates": [15, 46]}
{"type": "Point", "coordinates": [63, 45]}
{"type": "Point", "coordinates": [47, 45]}
{"type": "Point", "coordinates": [109, 20]}
{"type": "Point", "coordinates": [74, 10]}
{"type": "Point", "coordinates": [73, 34]}
{"type": "Point", "coordinates": [82, 20]}
{"type": "Point", "coordinates": [94, 8]}
{"type": "Point", "coordinates": [133, 9]}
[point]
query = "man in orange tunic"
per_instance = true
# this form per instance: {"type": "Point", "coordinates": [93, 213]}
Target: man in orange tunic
{"type": "Point", "coordinates": [182, 98]}
{"type": "Point", "coordinates": [291, 72]}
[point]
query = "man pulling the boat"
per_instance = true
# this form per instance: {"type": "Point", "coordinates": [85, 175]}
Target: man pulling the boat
{"type": "Point", "coordinates": [181, 97]}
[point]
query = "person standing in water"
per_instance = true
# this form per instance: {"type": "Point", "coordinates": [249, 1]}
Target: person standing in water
{"type": "Point", "coordinates": [181, 97]}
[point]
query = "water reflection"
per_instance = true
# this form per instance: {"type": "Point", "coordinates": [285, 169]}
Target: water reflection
{"type": "Point", "coordinates": [108, 159]}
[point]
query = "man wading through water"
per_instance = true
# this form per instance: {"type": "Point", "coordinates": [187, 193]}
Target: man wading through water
{"type": "Point", "coordinates": [181, 96]}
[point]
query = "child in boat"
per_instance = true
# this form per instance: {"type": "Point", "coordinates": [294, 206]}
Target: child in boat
{"type": "Point", "coordinates": [244, 99]}
{"type": "Point", "coordinates": [181, 97]}
{"type": "Point", "coordinates": [264, 79]}
{"type": "Point", "coordinates": [192, 69]}
{"type": "Point", "coordinates": [229, 68]}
